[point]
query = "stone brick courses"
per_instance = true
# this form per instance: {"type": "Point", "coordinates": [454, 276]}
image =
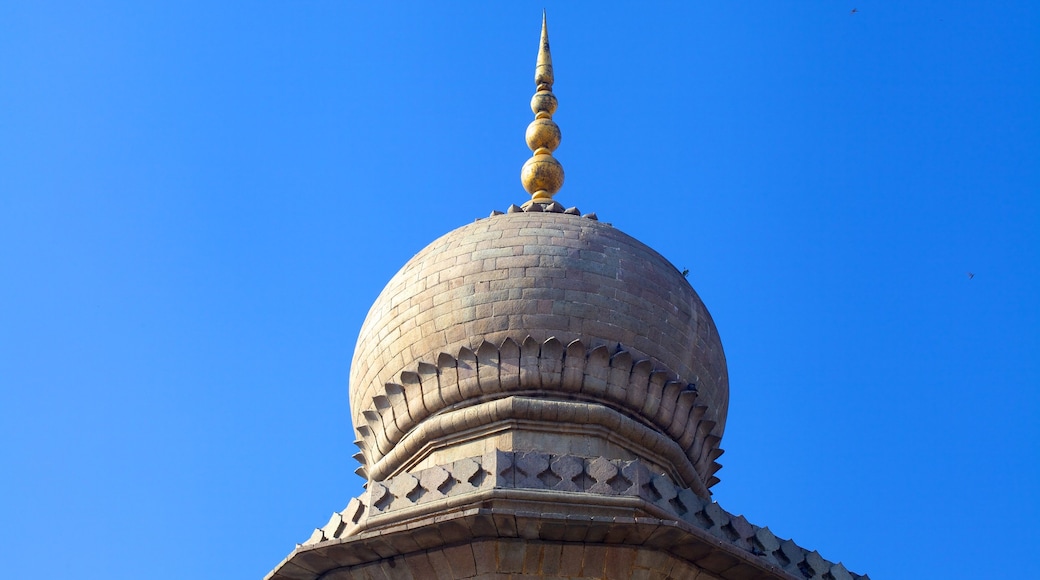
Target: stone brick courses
{"type": "Point", "coordinates": [485, 557]}
{"type": "Point", "coordinates": [418, 566]}
{"type": "Point", "coordinates": [516, 241]}
{"type": "Point", "coordinates": [462, 561]}
{"type": "Point", "coordinates": [491, 252]}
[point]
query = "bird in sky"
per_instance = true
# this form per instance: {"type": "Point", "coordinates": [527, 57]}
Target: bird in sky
{"type": "Point", "coordinates": [971, 275]}
{"type": "Point", "coordinates": [685, 272]}
{"type": "Point", "coordinates": [853, 11]}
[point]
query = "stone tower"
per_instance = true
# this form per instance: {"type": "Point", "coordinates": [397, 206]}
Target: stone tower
{"type": "Point", "coordinates": [540, 395]}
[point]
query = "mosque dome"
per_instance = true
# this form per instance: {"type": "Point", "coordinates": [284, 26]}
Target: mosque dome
{"type": "Point", "coordinates": [538, 394]}
{"type": "Point", "coordinates": [539, 320]}
{"type": "Point", "coordinates": [519, 284]}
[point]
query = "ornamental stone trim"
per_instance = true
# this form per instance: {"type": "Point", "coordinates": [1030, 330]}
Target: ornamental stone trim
{"type": "Point", "coordinates": [610, 376]}
{"type": "Point", "coordinates": [568, 476]}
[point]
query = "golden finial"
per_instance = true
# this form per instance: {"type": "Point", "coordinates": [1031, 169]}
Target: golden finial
{"type": "Point", "coordinates": [542, 175]}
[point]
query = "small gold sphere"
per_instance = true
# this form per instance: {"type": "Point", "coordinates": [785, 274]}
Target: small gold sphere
{"type": "Point", "coordinates": [543, 134]}
{"type": "Point", "coordinates": [542, 173]}
{"type": "Point", "coordinates": [544, 101]}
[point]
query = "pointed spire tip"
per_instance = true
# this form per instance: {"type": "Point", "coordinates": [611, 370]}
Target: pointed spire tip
{"type": "Point", "coordinates": [542, 175]}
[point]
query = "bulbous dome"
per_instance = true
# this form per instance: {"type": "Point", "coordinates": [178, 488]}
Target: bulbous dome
{"type": "Point", "coordinates": [539, 280]}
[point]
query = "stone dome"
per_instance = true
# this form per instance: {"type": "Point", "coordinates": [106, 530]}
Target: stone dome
{"type": "Point", "coordinates": [555, 286]}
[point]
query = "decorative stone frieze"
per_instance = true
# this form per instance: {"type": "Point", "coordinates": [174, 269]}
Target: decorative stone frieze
{"type": "Point", "coordinates": [607, 376]}
{"type": "Point", "coordinates": [563, 478]}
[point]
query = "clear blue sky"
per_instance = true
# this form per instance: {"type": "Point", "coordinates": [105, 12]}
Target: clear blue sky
{"type": "Point", "coordinates": [200, 200]}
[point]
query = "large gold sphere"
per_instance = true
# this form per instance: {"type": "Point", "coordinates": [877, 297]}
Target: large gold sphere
{"type": "Point", "coordinates": [542, 173]}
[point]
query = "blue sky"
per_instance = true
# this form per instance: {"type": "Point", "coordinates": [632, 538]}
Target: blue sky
{"type": "Point", "coordinates": [199, 202]}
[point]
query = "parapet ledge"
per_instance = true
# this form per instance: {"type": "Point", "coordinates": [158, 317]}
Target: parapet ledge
{"type": "Point", "coordinates": [408, 498]}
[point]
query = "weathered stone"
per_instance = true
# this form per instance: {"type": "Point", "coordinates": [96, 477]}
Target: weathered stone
{"type": "Point", "coordinates": [436, 481]}
{"type": "Point", "coordinates": [509, 365]}
{"type": "Point", "coordinates": [332, 529]}
{"type": "Point", "coordinates": [469, 384]}
{"type": "Point", "coordinates": [573, 367]}
{"type": "Point", "coordinates": [766, 540]}
{"type": "Point", "coordinates": [440, 564]}
{"type": "Point", "coordinates": [666, 492]}
{"type": "Point", "coordinates": [689, 503]}
{"type": "Point", "coordinates": [552, 558]}
{"type": "Point", "coordinates": [603, 472]}
{"type": "Point", "coordinates": [316, 536]}
{"type": "Point", "coordinates": [620, 372]}
{"type": "Point", "coordinates": [529, 353]}
{"type": "Point", "coordinates": [529, 466]}
{"type": "Point", "coordinates": [510, 556]}
{"type": "Point", "coordinates": [550, 361]}
{"type": "Point", "coordinates": [467, 474]}
{"type": "Point", "coordinates": [639, 383]}
{"type": "Point", "coordinates": [571, 559]}
{"type": "Point", "coordinates": [793, 554]}
{"type": "Point", "coordinates": [417, 410]}
{"type": "Point", "coordinates": [379, 497]}
{"type": "Point", "coordinates": [638, 477]}
{"type": "Point", "coordinates": [419, 567]}
{"type": "Point", "coordinates": [461, 560]}
{"type": "Point", "coordinates": [742, 531]}
{"type": "Point", "coordinates": [405, 488]}
{"type": "Point", "coordinates": [500, 465]}
{"type": "Point", "coordinates": [567, 468]}
{"type": "Point", "coordinates": [816, 564]}
{"type": "Point", "coordinates": [354, 511]}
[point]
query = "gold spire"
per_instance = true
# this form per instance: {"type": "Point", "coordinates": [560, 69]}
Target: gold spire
{"type": "Point", "coordinates": [542, 175]}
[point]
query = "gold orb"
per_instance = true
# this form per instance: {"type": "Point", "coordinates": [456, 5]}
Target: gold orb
{"type": "Point", "coordinates": [542, 173]}
{"type": "Point", "coordinates": [543, 133]}
{"type": "Point", "coordinates": [543, 101]}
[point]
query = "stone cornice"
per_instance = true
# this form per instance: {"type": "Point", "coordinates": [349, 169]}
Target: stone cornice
{"type": "Point", "coordinates": [643, 388]}
{"type": "Point", "coordinates": [537, 497]}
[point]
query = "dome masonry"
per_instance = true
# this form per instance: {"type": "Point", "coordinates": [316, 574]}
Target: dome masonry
{"type": "Point", "coordinates": [490, 300]}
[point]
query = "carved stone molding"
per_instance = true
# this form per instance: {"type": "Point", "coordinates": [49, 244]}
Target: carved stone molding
{"type": "Point", "coordinates": [611, 377]}
{"type": "Point", "coordinates": [563, 479]}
